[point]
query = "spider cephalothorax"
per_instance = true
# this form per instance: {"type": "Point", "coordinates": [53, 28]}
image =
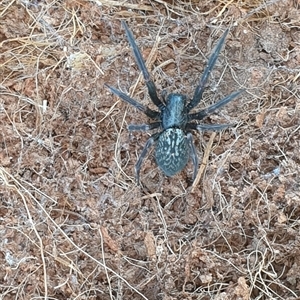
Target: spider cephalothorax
{"type": "Point", "coordinates": [174, 142]}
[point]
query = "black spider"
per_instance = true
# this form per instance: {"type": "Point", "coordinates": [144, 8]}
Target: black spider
{"type": "Point", "coordinates": [174, 143]}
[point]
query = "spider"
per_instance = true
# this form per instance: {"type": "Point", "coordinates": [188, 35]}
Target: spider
{"type": "Point", "coordinates": [174, 142]}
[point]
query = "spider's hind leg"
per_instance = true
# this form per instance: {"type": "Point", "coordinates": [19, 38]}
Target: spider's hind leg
{"type": "Point", "coordinates": [142, 156]}
{"type": "Point", "coordinates": [193, 154]}
{"type": "Point", "coordinates": [208, 127]}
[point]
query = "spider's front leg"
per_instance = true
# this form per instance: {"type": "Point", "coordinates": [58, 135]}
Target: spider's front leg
{"type": "Point", "coordinates": [141, 64]}
{"type": "Point", "coordinates": [211, 63]}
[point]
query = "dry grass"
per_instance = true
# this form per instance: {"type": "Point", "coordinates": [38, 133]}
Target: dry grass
{"type": "Point", "coordinates": [74, 225]}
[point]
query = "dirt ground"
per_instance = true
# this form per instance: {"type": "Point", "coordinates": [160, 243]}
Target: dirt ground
{"type": "Point", "coordinates": [73, 222]}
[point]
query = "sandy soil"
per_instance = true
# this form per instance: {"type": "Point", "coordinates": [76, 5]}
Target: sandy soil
{"type": "Point", "coordinates": [73, 222]}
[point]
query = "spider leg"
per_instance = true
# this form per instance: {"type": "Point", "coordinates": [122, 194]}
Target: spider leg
{"type": "Point", "coordinates": [193, 154]}
{"type": "Point", "coordinates": [147, 111]}
{"type": "Point", "coordinates": [147, 146]}
{"type": "Point", "coordinates": [141, 64]}
{"type": "Point", "coordinates": [211, 63]}
{"type": "Point", "coordinates": [203, 113]}
{"type": "Point", "coordinates": [211, 127]}
{"type": "Point", "coordinates": [143, 127]}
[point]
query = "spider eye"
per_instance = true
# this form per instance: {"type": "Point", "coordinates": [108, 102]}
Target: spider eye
{"type": "Point", "coordinates": [176, 99]}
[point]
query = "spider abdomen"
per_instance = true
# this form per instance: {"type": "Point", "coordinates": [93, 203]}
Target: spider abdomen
{"type": "Point", "coordinates": [172, 151]}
